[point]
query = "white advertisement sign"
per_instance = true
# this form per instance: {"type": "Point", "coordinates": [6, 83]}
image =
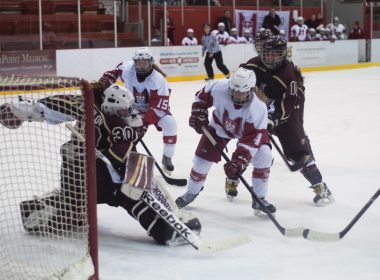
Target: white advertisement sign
{"type": "Point", "coordinates": [187, 61]}
{"type": "Point", "coordinates": [375, 50]}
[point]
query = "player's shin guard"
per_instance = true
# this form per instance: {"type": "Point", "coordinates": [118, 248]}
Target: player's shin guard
{"type": "Point", "coordinates": [260, 187]}
{"type": "Point", "coordinates": [169, 148]}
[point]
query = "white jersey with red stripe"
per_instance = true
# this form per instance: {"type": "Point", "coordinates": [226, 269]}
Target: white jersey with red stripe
{"type": "Point", "coordinates": [298, 32]}
{"type": "Point", "coordinates": [187, 41]}
{"type": "Point", "coordinates": [151, 95]}
{"type": "Point", "coordinates": [246, 123]}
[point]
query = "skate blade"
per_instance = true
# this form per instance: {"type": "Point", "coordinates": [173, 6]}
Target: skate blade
{"type": "Point", "coordinates": [230, 198]}
{"type": "Point", "coordinates": [261, 214]}
{"type": "Point", "coordinates": [325, 201]}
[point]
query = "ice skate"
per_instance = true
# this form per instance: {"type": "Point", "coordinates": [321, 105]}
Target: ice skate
{"type": "Point", "coordinates": [259, 210]}
{"type": "Point", "coordinates": [231, 188]}
{"type": "Point", "coordinates": [177, 240]}
{"type": "Point", "coordinates": [185, 199]}
{"type": "Point", "coordinates": [323, 195]}
{"type": "Point", "coordinates": [167, 165]}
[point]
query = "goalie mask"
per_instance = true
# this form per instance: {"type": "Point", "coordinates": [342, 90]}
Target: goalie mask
{"type": "Point", "coordinates": [274, 52]}
{"type": "Point", "coordinates": [242, 86]}
{"type": "Point", "coordinates": [143, 59]}
{"type": "Point", "coordinates": [259, 39]}
{"type": "Point", "coordinates": [118, 101]}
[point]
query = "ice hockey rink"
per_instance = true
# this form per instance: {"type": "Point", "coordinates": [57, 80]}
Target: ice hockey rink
{"type": "Point", "coordinates": [342, 119]}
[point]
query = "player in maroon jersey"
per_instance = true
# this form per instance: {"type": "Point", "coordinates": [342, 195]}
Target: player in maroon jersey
{"type": "Point", "coordinates": [281, 86]}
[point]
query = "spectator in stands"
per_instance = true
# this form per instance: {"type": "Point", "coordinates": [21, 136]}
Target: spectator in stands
{"type": "Point", "coordinates": [50, 40]}
{"type": "Point", "coordinates": [247, 36]}
{"type": "Point", "coordinates": [312, 22]}
{"type": "Point", "coordinates": [170, 27]}
{"type": "Point", "coordinates": [156, 38]}
{"type": "Point", "coordinates": [356, 32]}
{"type": "Point", "coordinates": [226, 19]}
{"type": "Point", "coordinates": [189, 40]}
{"type": "Point", "coordinates": [298, 31]}
{"type": "Point", "coordinates": [221, 34]}
{"type": "Point", "coordinates": [272, 21]}
{"type": "Point", "coordinates": [320, 20]}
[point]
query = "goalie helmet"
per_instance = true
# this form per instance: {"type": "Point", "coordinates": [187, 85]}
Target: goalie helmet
{"type": "Point", "coordinates": [274, 52]}
{"type": "Point", "coordinates": [143, 59]}
{"type": "Point", "coordinates": [260, 37]}
{"type": "Point", "coordinates": [118, 101]}
{"type": "Point", "coordinates": [242, 86]}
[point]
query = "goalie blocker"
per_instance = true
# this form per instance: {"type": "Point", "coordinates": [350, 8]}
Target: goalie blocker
{"type": "Point", "coordinates": [46, 214]}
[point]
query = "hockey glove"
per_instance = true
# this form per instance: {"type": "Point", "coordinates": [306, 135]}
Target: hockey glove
{"type": "Point", "coordinates": [141, 131]}
{"type": "Point", "coordinates": [239, 162]}
{"type": "Point", "coordinates": [109, 78]}
{"type": "Point", "coordinates": [272, 122]}
{"type": "Point", "coordinates": [198, 118]}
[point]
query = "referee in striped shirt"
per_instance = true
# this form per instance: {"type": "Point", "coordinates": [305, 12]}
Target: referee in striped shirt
{"type": "Point", "coordinates": [211, 48]}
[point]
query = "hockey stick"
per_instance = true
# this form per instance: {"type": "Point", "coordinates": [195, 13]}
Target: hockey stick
{"type": "Point", "coordinates": [292, 232]}
{"type": "Point", "coordinates": [293, 167]}
{"type": "Point", "coordinates": [172, 220]}
{"type": "Point", "coordinates": [315, 235]}
{"type": "Point", "coordinates": [169, 180]}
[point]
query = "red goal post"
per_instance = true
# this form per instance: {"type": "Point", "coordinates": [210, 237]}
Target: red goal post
{"type": "Point", "coordinates": [48, 180]}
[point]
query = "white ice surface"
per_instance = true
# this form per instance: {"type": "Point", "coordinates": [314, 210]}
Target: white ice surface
{"type": "Point", "coordinates": [342, 119]}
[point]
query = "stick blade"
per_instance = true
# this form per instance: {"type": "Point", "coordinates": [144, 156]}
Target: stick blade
{"type": "Point", "coordinates": [224, 244]}
{"type": "Point", "coordinates": [294, 232]}
{"type": "Point", "coordinates": [314, 235]}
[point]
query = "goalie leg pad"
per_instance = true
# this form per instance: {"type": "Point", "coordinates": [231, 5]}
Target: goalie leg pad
{"type": "Point", "coordinates": [138, 175]}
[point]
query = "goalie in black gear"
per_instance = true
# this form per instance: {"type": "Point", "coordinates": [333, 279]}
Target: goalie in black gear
{"type": "Point", "coordinates": [117, 129]}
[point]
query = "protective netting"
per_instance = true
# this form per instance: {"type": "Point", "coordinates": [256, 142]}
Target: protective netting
{"type": "Point", "coordinates": [43, 185]}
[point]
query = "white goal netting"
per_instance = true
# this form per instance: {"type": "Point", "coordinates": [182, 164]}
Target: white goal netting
{"type": "Point", "coordinates": [44, 225]}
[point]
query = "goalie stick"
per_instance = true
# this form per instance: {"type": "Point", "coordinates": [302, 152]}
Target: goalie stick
{"type": "Point", "coordinates": [172, 220]}
{"type": "Point", "coordinates": [169, 180]}
{"type": "Point", "coordinates": [314, 235]}
{"type": "Point", "coordinates": [293, 167]}
{"type": "Point", "coordinates": [288, 232]}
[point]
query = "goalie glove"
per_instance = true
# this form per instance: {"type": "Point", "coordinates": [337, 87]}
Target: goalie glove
{"type": "Point", "coordinates": [239, 162]}
{"type": "Point", "coordinates": [198, 118]}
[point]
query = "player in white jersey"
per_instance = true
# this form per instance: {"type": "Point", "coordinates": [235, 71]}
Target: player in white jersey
{"type": "Point", "coordinates": [189, 40]}
{"type": "Point", "coordinates": [234, 37]}
{"type": "Point", "coordinates": [247, 37]}
{"type": "Point", "coordinates": [221, 34]}
{"type": "Point", "coordinates": [298, 31]}
{"type": "Point", "coordinates": [337, 29]}
{"type": "Point", "coordinates": [152, 93]}
{"type": "Point", "coordinates": [240, 115]}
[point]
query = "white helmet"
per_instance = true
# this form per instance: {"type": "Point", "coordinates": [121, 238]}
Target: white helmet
{"type": "Point", "coordinates": [118, 101]}
{"type": "Point", "coordinates": [242, 85]}
{"type": "Point", "coordinates": [143, 59]}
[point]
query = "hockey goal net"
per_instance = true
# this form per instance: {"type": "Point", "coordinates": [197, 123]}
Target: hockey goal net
{"type": "Point", "coordinates": [47, 189]}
